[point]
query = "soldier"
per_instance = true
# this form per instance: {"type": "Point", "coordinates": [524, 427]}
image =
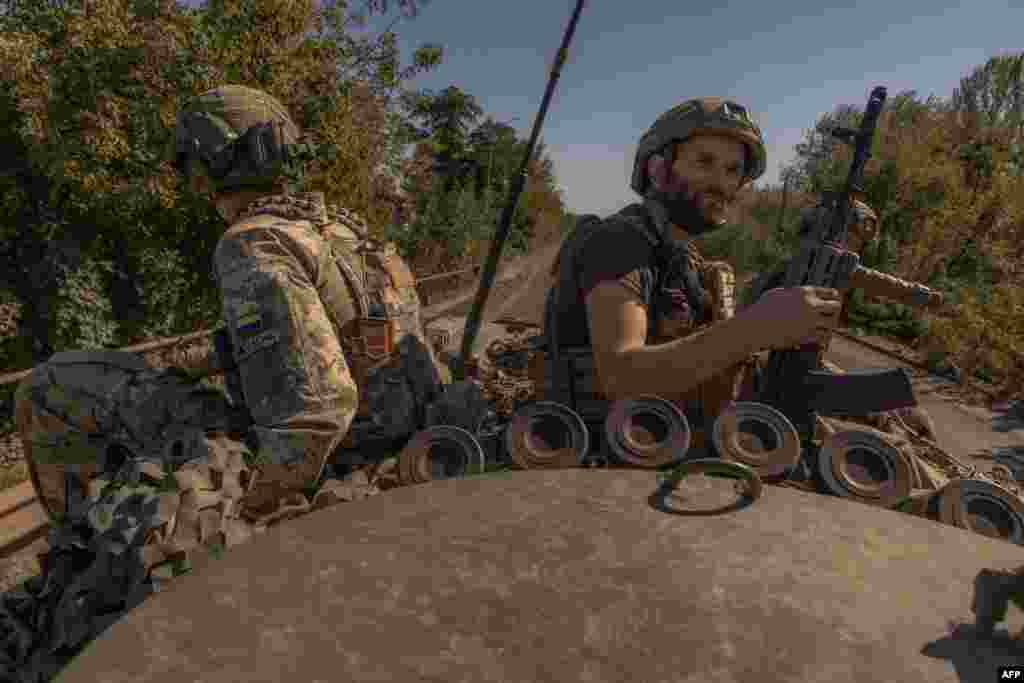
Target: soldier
{"type": "Point", "coordinates": [636, 310]}
{"type": "Point", "coordinates": [323, 343]}
{"type": "Point", "coordinates": [862, 224]}
{"type": "Point", "coordinates": [862, 230]}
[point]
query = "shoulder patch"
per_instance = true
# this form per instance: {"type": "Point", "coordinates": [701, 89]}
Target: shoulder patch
{"type": "Point", "coordinates": [250, 320]}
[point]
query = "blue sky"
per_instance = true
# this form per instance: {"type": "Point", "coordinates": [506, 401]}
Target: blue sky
{"type": "Point", "coordinates": [788, 60]}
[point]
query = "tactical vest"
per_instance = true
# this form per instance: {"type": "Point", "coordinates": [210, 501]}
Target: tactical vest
{"type": "Point", "coordinates": [568, 374]}
{"type": "Point", "coordinates": [391, 361]}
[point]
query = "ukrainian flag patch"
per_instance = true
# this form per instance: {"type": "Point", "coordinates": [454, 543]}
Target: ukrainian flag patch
{"type": "Point", "coordinates": [250, 321]}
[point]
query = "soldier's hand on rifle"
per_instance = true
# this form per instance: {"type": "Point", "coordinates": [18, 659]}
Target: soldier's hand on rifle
{"type": "Point", "coordinates": [792, 316]}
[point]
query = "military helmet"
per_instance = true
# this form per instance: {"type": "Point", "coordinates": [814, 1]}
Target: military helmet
{"type": "Point", "coordinates": [704, 115]}
{"type": "Point", "coordinates": [859, 212]}
{"type": "Point", "coordinates": [244, 137]}
{"type": "Point", "coordinates": [859, 209]}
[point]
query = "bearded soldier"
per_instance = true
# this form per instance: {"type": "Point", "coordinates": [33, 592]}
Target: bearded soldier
{"type": "Point", "coordinates": [635, 308]}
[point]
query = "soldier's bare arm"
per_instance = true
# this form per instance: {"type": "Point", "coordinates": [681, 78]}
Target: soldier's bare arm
{"type": "Point", "coordinates": [627, 366]}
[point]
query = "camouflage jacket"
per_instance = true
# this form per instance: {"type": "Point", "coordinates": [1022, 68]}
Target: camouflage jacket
{"type": "Point", "coordinates": [325, 329]}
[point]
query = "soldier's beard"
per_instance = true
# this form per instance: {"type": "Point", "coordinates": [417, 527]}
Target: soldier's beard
{"type": "Point", "coordinates": [690, 210]}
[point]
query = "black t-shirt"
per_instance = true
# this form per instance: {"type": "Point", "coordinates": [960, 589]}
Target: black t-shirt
{"type": "Point", "coordinates": [615, 251]}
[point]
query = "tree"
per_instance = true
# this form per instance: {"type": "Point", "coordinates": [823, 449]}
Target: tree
{"type": "Point", "coordinates": [946, 181]}
{"type": "Point", "coordinates": [493, 148]}
{"type": "Point", "coordinates": [90, 209]}
{"type": "Point", "coordinates": [816, 167]}
{"type": "Point", "coordinates": [447, 118]}
{"type": "Point", "coordinates": [993, 94]}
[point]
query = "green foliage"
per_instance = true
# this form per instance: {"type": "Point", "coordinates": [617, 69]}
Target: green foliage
{"type": "Point", "coordinates": [567, 223]}
{"type": "Point", "coordinates": [884, 318]}
{"type": "Point", "coordinates": [101, 243]}
{"type": "Point", "coordinates": [459, 182]}
{"type": "Point", "coordinates": [83, 313]}
{"type": "Point", "coordinates": [736, 244]}
{"type": "Point", "coordinates": [946, 181]}
{"type": "Point", "coordinates": [994, 92]}
{"type": "Point", "coordinates": [449, 219]}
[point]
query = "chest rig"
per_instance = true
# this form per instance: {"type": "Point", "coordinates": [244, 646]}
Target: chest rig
{"type": "Point", "coordinates": [568, 374]}
{"type": "Point", "coordinates": [376, 318]}
{"type": "Point", "coordinates": [388, 355]}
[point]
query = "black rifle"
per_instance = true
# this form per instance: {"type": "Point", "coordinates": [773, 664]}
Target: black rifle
{"type": "Point", "coordinates": [505, 223]}
{"type": "Point", "coordinates": [793, 381]}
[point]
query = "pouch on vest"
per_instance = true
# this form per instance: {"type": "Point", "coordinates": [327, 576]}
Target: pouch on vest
{"type": "Point", "coordinates": [369, 345]}
{"type": "Point", "coordinates": [378, 336]}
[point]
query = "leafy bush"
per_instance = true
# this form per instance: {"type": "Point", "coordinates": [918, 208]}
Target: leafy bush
{"type": "Point", "coordinates": [747, 254]}
{"type": "Point", "coordinates": [102, 245]}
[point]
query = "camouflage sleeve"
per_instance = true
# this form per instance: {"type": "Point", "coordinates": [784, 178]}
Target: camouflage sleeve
{"type": "Point", "coordinates": [296, 381]}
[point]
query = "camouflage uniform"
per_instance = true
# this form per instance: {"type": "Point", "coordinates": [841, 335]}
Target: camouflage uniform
{"type": "Point", "coordinates": [326, 348]}
{"type": "Point", "coordinates": [327, 335]}
{"type": "Point", "coordinates": [323, 351]}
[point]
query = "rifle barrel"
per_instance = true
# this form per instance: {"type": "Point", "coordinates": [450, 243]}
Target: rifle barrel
{"type": "Point", "coordinates": [876, 283]}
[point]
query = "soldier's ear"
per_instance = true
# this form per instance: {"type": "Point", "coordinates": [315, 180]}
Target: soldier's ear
{"type": "Point", "coordinates": [658, 172]}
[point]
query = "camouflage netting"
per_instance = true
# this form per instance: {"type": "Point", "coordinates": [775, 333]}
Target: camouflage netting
{"type": "Point", "coordinates": [189, 353]}
{"type": "Point", "coordinates": [130, 532]}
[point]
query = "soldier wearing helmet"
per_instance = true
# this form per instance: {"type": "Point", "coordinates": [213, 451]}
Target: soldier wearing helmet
{"type": "Point", "coordinates": [636, 306]}
{"type": "Point", "coordinates": [323, 346]}
{"type": "Point", "coordinates": [864, 227]}
{"type": "Point", "coordinates": [862, 221]}
{"type": "Point", "coordinates": [862, 230]}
